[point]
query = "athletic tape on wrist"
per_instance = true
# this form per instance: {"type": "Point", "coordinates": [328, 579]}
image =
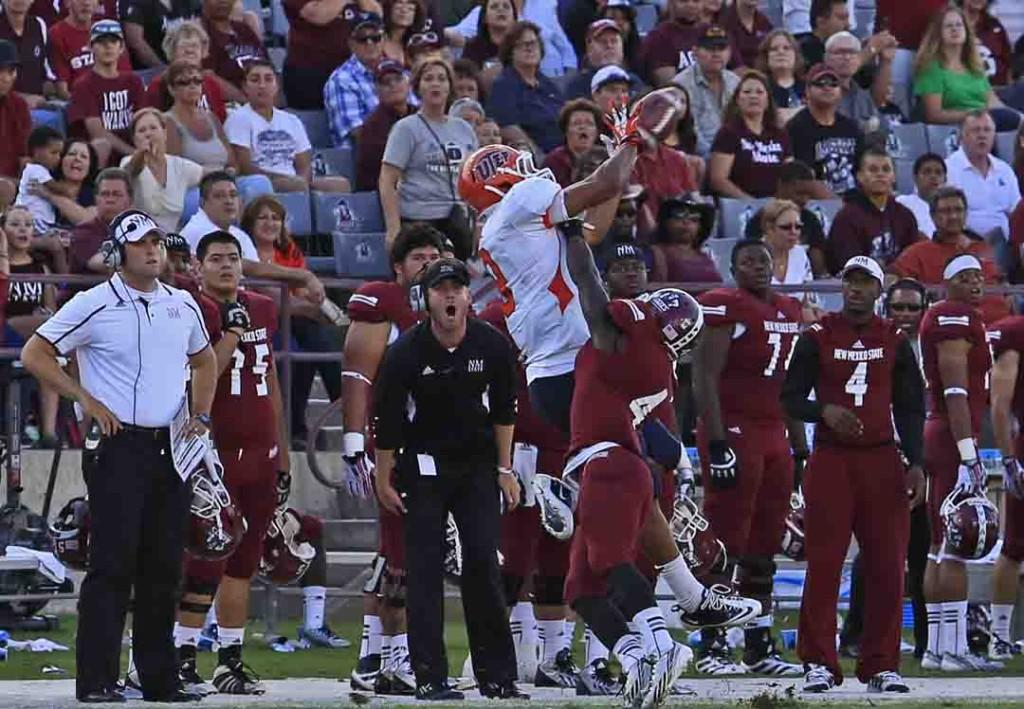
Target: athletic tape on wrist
{"type": "Point", "coordinates": [356, 375]}
{"type": "Point", "coordinates": [967, 449]}
{"type": "Point", "coordinates": [353, 443]}
{"type": "Point", "coordinates": [954, 391]}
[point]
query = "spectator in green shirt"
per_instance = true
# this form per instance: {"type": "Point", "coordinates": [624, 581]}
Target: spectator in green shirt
{"type": "Point", "coordinates": [949, 78]}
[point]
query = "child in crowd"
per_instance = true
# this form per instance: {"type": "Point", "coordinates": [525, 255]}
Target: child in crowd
{"type": "Point", "coordinates": [44, 148]}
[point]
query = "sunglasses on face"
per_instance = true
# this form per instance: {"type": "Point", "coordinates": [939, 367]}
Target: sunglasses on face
{"type": "Point", "coordinates": [687, 216]}
{"type": "Point", "coordinates": [825, 83]}
{"type": "Point", "coordinates": [194, 81]}
{"type": "Point", "coordinates": [904, 307]}
{"type": "Point", "coordinates": [792, 226]}
{"type": "Point", "coordinates": [370, 39]}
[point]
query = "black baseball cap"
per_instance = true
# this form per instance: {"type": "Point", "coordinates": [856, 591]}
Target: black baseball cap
{"type": "Point", "coordinates": [176, 243]}
{"type": "Point", "coordinates": [445, 269]}
{"type": "Point", "coordinates": [9, 54]}
{"type": "Point", "coordinates": [626, 252]}
{"type": "Point", "coordinates": [713, 37]}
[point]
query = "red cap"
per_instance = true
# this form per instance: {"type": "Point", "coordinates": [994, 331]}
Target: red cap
{"type": "Point", "coordinates": [598, 26]}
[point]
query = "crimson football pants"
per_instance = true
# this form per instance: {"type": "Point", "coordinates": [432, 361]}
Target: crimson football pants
{"type": "Point", "coordinates": [750, 517]}
{"type": "Point", "coordinates": [616, 493]}
{"type": "Point", "coordinates": [250, 476]}
{"type": "Point", "coordinates": [666, 501]}
{"type": "Point", "coordinates": [941, 463]}
{"type": "Point", "coordinates": [528, 549]}
{"type": "Point", "coordinates": [1013, 511]}
{"type": "Point", "coordinates": [860, 491]}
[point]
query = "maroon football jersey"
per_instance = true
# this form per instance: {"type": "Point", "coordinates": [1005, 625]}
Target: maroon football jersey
{"type": "Point", "coordinates": [243, 413]}
{"type": "Point", "coordinates": [947, 320]}
{"type": "Point", "coordinates": [530, 427]}
{"type": "Point", "coordinates": [763, 336]}
{"type": "Point", "coordinates": [1008, 334]}
{"type": "Point", "coordinates": [384, 301]}
{"type": "Point", "coordinates": [616, 391]}
{"type": "Point", "coordinates": [855, 371]}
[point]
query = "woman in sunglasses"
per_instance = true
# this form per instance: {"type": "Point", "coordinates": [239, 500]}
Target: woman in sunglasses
{"type": "Point", "coordinates": [683, 227]}
{"type": "Point", "coordinates": [781, 227]}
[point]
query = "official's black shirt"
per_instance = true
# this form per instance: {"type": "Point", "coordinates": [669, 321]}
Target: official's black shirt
{"type": "Point", "coordinates": [445, 403]}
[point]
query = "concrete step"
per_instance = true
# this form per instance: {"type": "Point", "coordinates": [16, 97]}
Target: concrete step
{"type": "Point", "coordinates": [351, 534]}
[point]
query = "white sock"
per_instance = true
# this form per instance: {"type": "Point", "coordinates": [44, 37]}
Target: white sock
{"type": "Point", "coordinates": [653, 629]}
{"type": "Point", "coordinates": [629, 650]}
{"type": "Point", "coordinates": [685, 586]}
{"type": "Point", "coordinates": [385, 651]}
{"type": "Point", "coordinates": [211, 616]}
{"type": "Point", "coordinates": [185, 636]}
{"type": "Point", "coordinates": [523, 624]}
{"type": "Point", "coordinates": [935, 628]}
{"type": "Point", "coordinates": [568, 635]}
{"type": "Point", "coordinates": [400, 645]}
{"type": "Point", "coordinates": [314, 599]}
{"type": "Point", "coordinates": [595, 649]}
{"type": "Point", "coordinates": [956, 613]}
{"type": "Point", "coordinates": [370, 644]}
{"type": "Point", "coordinates": [230, 636]}
{"type": "Point", "coordinates": [550, 638]}
{"type": "Point", "coordinates": [1002, 617]}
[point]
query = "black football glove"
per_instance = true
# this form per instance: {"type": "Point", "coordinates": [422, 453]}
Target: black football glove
{"type": "Point", "coordinates": [234, 316]}
{"type": "Point", "coordinates": [723, 470]}
{"type": "Point", "coordinates": [283, 487]}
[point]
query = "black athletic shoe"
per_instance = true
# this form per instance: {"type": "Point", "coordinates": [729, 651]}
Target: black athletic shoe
{"type": "Point", "coordinates": [439, 692]}
{"type": "Point", "coordinates": [235, 677]}
{"type": "Point", "coordinates": [718, 608]}
{"type": "Point", "coordinates": [502, 690]}
{"type": "Point", "coordinates": [102, 696]}
{"type": "Point", "coordinates": [364, 674]}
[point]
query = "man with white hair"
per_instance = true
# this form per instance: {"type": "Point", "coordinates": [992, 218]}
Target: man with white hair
{"type": "Point", "coordinates": [990, 184]}
{"type": "Point", "coordinates": [843, 56]}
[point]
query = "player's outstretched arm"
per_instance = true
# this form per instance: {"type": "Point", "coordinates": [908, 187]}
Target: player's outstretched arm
{"type": "Point", "coordinates": [593, 298]}
{"type": "Point", "coordinates": [605, 183]}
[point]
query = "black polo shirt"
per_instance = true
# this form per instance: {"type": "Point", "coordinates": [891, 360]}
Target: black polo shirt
{"type": "Point", "coordinates": [34, 52]}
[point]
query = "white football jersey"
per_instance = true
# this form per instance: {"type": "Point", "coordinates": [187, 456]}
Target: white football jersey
{"type": "Point", "coordinates": [526, 256]}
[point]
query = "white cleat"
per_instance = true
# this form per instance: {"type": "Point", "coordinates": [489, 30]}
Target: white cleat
{"type": "Point", "coordinates": [670, 665]}
{"type": "Point", "coordinates": [888, 682]}
{"type": "Point", "coordinates": [818, 679]}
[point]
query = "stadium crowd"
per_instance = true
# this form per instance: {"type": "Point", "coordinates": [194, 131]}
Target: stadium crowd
{"type": "Point", "coordinates": [818, 130]}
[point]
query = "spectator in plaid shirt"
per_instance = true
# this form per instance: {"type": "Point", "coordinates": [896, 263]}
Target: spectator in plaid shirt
{"type": "Point", "coordinates": [350, 94]}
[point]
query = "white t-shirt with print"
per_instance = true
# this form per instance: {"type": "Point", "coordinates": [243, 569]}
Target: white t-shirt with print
{"type": "Point", "coordinates": [43, 215]}
{"type": "Point", "coordinates": [273, 144]}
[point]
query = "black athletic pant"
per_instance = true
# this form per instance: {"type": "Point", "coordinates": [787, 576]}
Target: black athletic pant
{"type": "Point", "coordinates": [470, 492]}
{"type": "Point", "coordinates": [139, 510]}
{"type": "Point", "coordinates": [917, 559]}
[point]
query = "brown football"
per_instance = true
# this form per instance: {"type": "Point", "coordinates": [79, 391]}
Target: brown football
{"type": "Point", "coordinates": [657, 112]}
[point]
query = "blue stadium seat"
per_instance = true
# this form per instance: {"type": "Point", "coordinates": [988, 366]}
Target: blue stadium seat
{"type": "Point", "coordinates": [361, 255]}
{"type": "Point", "coordinates": [825, 210]}
{"type": "Point", "coordinates": [904, 176]}
{"type": "Point", "coordinates": [733, 215]}
{"type": "Point", "coordinates": [296, 204]}
{"type": "Point", "coordinates": [721, 254]}
{"type": "Point", "coordinates": [321, 265]}
{"type": "Point", "coordinates": [1005, 145]}
{"type": "Point", "coordinates": [316, 127]}
{"type": "Point", "coordinates": [944, 140]}
{"type": "Point", "coordinates": [278, 26]}
{"type": "Point", "coordinates": [353, 212]}
{"type": "Point", "coordinates": [334, 162]}
{"type": "Point", "coordinates": [907, 140]}
{"type": "Point", "coordinates": [646, 18]}
{"type": "Point", "coordinates": [903, 79]}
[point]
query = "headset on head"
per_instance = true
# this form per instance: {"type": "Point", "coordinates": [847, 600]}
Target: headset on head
{"type": "Point", "coordinates": [112, 248]}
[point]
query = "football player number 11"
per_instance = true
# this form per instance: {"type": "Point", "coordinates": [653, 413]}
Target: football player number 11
{"type": "Point", "coordinates": [259, 369]}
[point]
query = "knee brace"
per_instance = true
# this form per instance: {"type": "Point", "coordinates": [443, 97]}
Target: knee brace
{"type": "Point", "coordinates": [513, 586]}
{"type": "Point", "coordinates": [393, 590]}
{"type": "Point", "coordinates": [197, 588]}
{"type": "Point", "coordinates": [548, 590]}
{"type": "Point", "coordinates": [756, 575]}
{"type": "Point", "coordinates": [378, 570]}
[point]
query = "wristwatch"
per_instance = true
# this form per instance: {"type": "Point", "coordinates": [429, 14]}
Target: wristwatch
{"type": "Point", "coordinates": [204, 419]}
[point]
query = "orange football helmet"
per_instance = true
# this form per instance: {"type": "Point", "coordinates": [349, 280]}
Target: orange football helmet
{"type": "Point", "coordinates": [493, 170]}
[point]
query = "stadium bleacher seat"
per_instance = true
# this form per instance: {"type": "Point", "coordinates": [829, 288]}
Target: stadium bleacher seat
{"type": "Point", "coordinates": [904, 176]}
{"type": "Point", "coordinates": [907, 141]}
{"type": "Point", "coordinates": [321, 265]}
{"type": "Point", "coordinates": [1005, 145]}
{"type": "Point", "coordinates": [278, 26]}
{"type": "Point", "coordinates": [721, 254]}
{"type": "Point", "coordinates": [646, 18]}
{"type": "Point", "coordinates": [335, 162]}
{"type": "Point", "coordinates": [316, 127]}
{"type": "Point", "coordinates": [944, 140]}
{"type": "Point", "coordinates": [733, 215]}
{"type": "Point", "coordinates": [296, 204]}
{"type": "Point", "coordinates": [355, 212]}
{"type": "Point", "coordinates": [902, 79]}
{"type": "Point", "coordinates": [825, 210]}
{"type": "Point", "coordinates": [361, 255]}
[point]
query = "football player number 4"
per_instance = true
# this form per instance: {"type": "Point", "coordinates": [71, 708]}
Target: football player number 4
{"type": "Point", "coordinates": [259, 368]}
{"type": "Point", "coordinates": [775, 342]}
{"type": "Point", "coordinates": [857, 384]}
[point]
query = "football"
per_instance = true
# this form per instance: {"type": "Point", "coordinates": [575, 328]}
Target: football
{"type": "Point", "coordinates": [656, 112]}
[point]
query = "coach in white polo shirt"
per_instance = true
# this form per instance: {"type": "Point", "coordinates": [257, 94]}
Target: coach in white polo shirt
{"type": "Point", "coordinates": [132, 337]}
{"type": "Point", "coordinates": [989, 183]}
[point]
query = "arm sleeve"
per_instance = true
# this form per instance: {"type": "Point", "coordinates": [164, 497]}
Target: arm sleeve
{"type": "Point", "coordinates": [398, 150]}
{"type": "Point", "coordinates": [717, 311]}
{"type": "Point", "coordinates": [801, 378]}
{"type": "Point", "coordinates": [193, 172]}
{"type": "Point", "coordinates": [299, 132]}
{"type": "Point", "coordinates": [70, 327]}
{"type": "Point", "coordinates": [908, 403]}
{"type": "Point", "coordinates": [533, 199]}
{"type": "Point", "coordinates": [390, 394]}
{"type": "Point", "coordinates": [726, 141]}
{"type": "Point", "coordinates": [211, 318]}
{"type": "Point", "coordinates": [83, 103]}
{"type": "Point", "coordinates": [237, 130]}
{"type": "Point", "coordinates": [502, 395]}
{"type": "Point", "coordinates": [59, 60]}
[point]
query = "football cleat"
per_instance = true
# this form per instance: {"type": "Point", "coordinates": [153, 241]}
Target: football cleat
{"type": "Point", "coordinates": [596, 680]}
{"type": "Point", "coordinates": [1000, 650]}
{"type": "Point", "coordinates": [773, 665]}
{"type": "Point", "coordinates": [397, 678]}
{"type": "Point", "coordinates": [365, 673]}
{"type": "Point", "coordinates": [888, 682]}
{"type": "Point", "coordinates": [190, 679]}
{"type": "Point", "coordinates": [638, 682]}
{"type": "Point", "coordinates": [670, 665]}
{"type": "Point", "coordinates": [560, 672]}
{"type": "Point", "coordinates": [967, 663]}
{"type": "Point", "coordinates": [441, 692]}
{"type": "Point", "coordinates": [320, 637]}
{"type": "Point", "coordinates": [234, 677]}
{"type": "Point", "coordinates": [715, 658]}
{"type": "Point", "coordinates": [719, 608]}
{"type": "Point", "coordinates": [819, 679]}
{"type": "Point", "coordinates": [931, 661]}
{"type": "Point", "coordinates": [557, 503]}
{"type": "Point", "coordinates": [502, 690]}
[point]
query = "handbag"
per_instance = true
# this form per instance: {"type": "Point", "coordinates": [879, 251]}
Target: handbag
{"type": "Point", "coordinates": [460, 226]}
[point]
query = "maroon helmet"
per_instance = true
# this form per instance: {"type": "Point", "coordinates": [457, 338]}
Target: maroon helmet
{"type": "Point", "coordinates": [794, 538]}
{"type": "Point", "coordinates": [971, 524]}
{"type": "Point", "coordinates": [680, 318]}
{"type": "Point", "coordinates": [215, 526]}
{"type": "Point", "coordinates": [70, 534]}
{"type": "Point", "coordinates": [702, 551]}
{"type": "Point", "coordinates": [285, 556]}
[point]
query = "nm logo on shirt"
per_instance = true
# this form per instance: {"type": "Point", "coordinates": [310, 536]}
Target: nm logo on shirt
{"type": "Point", "coordinates": [475, 366]}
